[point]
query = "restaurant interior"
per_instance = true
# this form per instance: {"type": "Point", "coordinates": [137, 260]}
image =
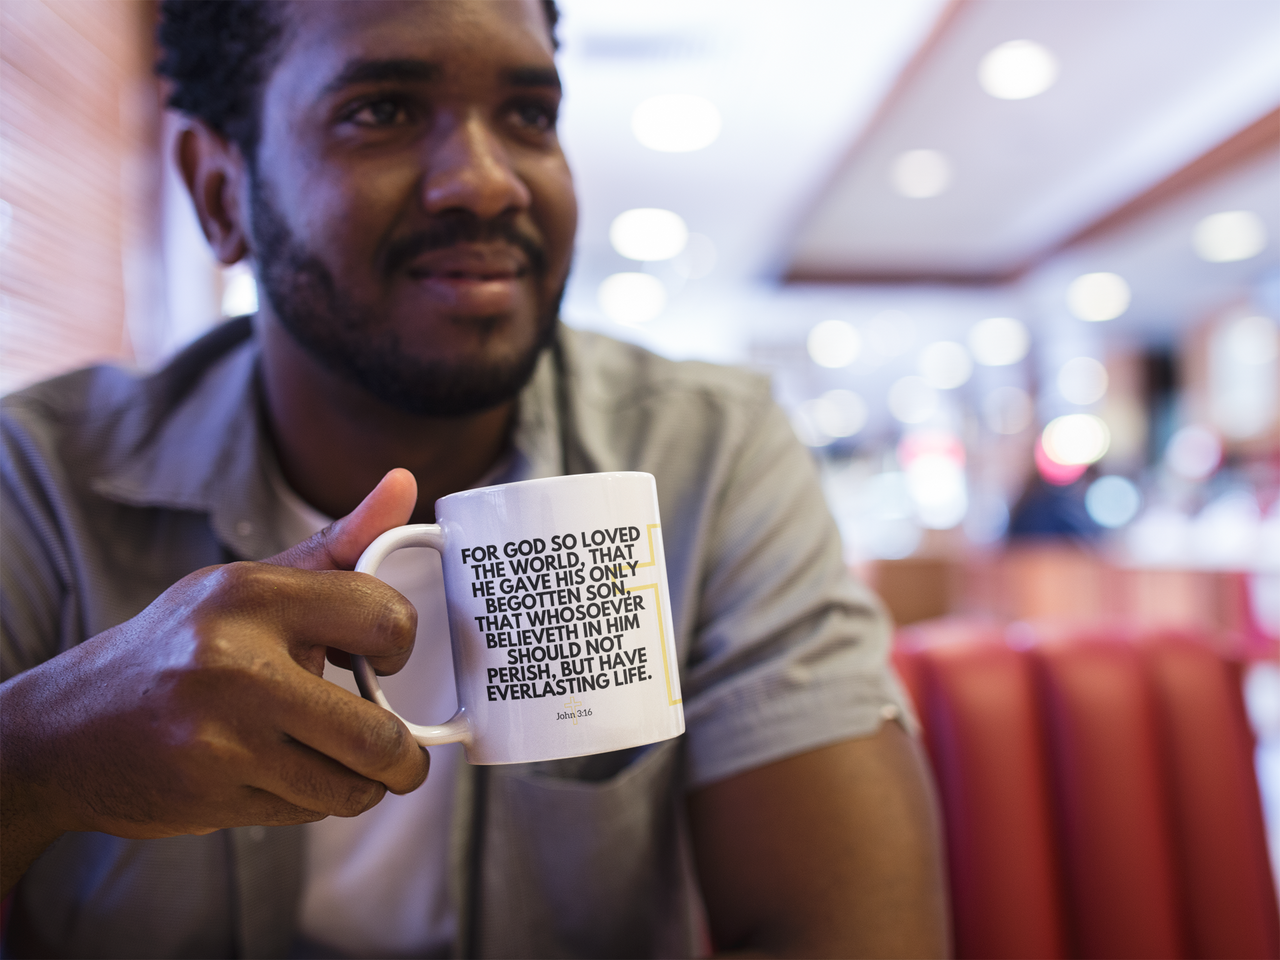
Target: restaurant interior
{"type": "Point", "coordinates": [1013, 269]}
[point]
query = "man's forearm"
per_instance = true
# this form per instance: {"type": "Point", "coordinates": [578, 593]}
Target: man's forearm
{"type": "Point", "coordinates": [832, 853]}
{"type": "Point", "coordinates": [28, 821]}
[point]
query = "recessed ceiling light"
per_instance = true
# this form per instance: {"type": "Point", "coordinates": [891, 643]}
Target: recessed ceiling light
{"type": "Point", "coordinates": [834, 344]}
{"type": "Point", "coordinates": [1226, 237]}
{"type": "Point", "coordinates": [1017, 70]}
{"type": "Point", "coordinates": [632, 298]}
{"type": "Point", "coordinates": [676, 123]}
{"type": "Point", "coordinates": [648, 233]}
{"type": "Point", "coordinates": [920, 174]}
{"type": "Point", "coordinates": [1098, 296]}
{"type": "Point", "coordinates": [999, 341]}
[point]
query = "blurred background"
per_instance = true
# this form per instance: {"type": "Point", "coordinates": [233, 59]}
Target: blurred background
{"type": "Point", "coordinates": [1013, 267]}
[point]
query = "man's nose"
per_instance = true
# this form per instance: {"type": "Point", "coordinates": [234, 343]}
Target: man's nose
{"type": "Point", "coordinates": [470, 169]}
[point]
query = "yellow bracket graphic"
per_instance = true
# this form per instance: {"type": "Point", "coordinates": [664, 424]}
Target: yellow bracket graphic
{"type": "Point", "coordinates": [653, 557]}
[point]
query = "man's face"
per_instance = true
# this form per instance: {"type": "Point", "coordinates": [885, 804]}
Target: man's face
{"type": "Point", "coordinates": [412, 212]}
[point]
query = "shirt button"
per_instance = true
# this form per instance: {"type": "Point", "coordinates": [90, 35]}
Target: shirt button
{"type": "Point", "coordinates": [257, 834]}
{"type": "Point", "coordinates": [244, 528]}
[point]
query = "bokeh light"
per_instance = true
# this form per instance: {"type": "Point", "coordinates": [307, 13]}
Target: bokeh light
{"type": "Point", "coordinates": [1017, 70]}
{"type": "Point", "coordinates": [1252, 341]}
{"type": "Point", "coordinates": [1193, 452]}
{"type": "Point", "coordinates": [834, 344]}
{"type": "Point", "coordinates": [648, 233]}
{"type": "Point", "coordinates": [676, 123]}
{"type": "Point", "coordinates": [1112, 501]}
{"type": "Point", "coordinates": [239, 290]}
{"type": "Point", "coordinates": [1059, 474]}
{"type": "Point", "coordinates": [920, 174]}
{"type": "Point", "coordinates": [1229, 236]}
{"type": "Point", "coordinates": [1098, 296]}
{"type": "Point", "coordinates": [697, 259]}
{"type": "Point", "coordinates": [1076, 439]}
{"type": "Point", "coordinates": [999, 341]}
{"type": "Point", "coordinates": [945, 365]}
{"type": "Point", "coordinates": [1008, 410]}
{"type": "Point", "coordinates": [632, 298]}
{"type": "Point", "coordinates": [1082, 381]}
{"type": "Point", "coordinates": [912, 400]}
{"type": "Point", "coordinates": [840, 413]}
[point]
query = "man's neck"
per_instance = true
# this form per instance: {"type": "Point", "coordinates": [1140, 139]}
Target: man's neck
{"type": "Point", "coordinates": [335, 442]}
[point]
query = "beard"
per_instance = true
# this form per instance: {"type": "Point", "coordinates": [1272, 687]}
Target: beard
{"type": "Point", "coordinates": [349, 339]}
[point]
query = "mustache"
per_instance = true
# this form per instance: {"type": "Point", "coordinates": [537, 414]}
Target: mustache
{"type": "Point", "coordinates": [465, 227]}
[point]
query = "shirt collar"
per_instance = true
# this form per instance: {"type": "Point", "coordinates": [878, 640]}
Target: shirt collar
{"type": "Point", "coordinates": [210, 452]}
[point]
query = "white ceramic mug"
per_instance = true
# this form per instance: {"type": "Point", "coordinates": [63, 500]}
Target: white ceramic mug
{"type": "Point", "coordinates": [559, 617]}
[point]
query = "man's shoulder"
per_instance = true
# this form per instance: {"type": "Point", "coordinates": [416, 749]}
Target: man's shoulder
{"type": "Point", "coordinates": [113, 407]}
{"type": "Point", "coordinates": [619, 372]}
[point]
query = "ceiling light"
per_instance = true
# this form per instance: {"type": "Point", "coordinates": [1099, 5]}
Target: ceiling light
{"type": "Point", "coordinates": [1082, 381]}
{"type": "Point", "coordinates": [834, 344]}
{"type": "Point", "coordinates": [920, 174]}
{"type": "Point", "coordinates": [912, 400]}
{"type": "Point", "coordinates": [999, 341]}
{"type": "Point", "coordinates": [648, 234]}
{"type": "Point", "coordinates": [945, 365]}
{"type": "Point", "coordinates": [1230, 236]}
{"type": "Point", "coordinates": [1098, 296]}
{"type": "Point", "coordinates": [1112, 501]}
{"type": "Point", "coordinates": [676, 123]}
{"type": "Point", "coordinates": [632, 297]}
{"type": "Point", "coordinates": [1078, 438]}
{"type": "Point", "coordinates": [1007, 410]}
{"type": "Point", "coordinates": [1017, 70]}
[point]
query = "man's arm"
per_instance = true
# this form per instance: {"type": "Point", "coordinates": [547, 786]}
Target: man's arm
{"type": "Point", "coordinates": [831, 853]}
{"type": "Point", "coordinates": [207, 710]}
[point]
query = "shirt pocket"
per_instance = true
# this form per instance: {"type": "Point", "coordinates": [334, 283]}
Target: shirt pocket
{"type": "Point", "coordinates": [589, 858]}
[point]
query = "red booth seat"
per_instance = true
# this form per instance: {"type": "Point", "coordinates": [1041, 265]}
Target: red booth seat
{"type": "Point", "coordinates": [1098, 793]}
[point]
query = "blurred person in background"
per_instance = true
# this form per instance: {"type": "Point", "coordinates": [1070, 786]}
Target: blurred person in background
{"type": "Point", "coordinates": [172, 583]}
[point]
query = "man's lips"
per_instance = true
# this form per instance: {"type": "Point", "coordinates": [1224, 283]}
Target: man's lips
{"type": "Point", "coordinates": [472, 278]}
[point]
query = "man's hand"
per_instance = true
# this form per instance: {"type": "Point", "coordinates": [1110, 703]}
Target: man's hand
{"type": "Point", "coordinates": [208, 709]}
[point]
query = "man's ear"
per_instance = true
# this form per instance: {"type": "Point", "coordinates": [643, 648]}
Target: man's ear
{"type": "Point", "coordinates": [217, 178]}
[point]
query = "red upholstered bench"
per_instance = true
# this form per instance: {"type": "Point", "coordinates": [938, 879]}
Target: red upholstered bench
{"type": "Point", "coordinates": [1098, 792]}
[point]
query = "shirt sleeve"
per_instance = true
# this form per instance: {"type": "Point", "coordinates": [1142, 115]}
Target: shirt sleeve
{"type": "Point", "coordinates": [36, 606]}
{"type": "Point", "coordinates": [790, 652]}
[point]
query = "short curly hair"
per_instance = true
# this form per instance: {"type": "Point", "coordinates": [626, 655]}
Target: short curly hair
{"type": "Point", "coordinates": [218, 54]}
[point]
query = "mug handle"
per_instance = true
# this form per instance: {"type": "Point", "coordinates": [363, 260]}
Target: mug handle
{"type": "Point", "coordinates": [454, 730]}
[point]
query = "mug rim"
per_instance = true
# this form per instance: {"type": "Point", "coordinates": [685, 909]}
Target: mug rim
{"type": "Point", "coordinates": [538, 481]}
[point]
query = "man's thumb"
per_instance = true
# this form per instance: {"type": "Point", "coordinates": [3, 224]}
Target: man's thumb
{"type": "Point", "coordinates": [339, 545]}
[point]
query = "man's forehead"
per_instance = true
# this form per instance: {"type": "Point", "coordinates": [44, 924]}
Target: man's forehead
{"type": "Point", "coordinates": [323, 36]}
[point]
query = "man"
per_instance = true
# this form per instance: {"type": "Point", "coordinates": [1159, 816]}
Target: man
{"type": "Point", "coordinates": [392, 169]}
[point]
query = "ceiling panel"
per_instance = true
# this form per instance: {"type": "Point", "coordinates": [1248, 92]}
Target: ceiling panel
{"type": "Point", "coordinates": [1145, 86]}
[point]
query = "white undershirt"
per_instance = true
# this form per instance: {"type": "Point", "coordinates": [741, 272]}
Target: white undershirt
{"type": "Point", "coordinates": [377, 884]}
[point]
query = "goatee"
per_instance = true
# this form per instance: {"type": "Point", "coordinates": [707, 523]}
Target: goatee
{"type": "Point", "coordinates": [348, 340]}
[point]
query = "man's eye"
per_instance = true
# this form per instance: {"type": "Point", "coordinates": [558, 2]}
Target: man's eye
{"type": "Point", "coordinates": [379, 113]}
{"type": "Point", "coordinates": [536, 116]}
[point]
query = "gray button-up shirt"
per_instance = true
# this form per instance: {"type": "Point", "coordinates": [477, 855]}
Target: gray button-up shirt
{"type": "Point", "coordinates": [116, 485]}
